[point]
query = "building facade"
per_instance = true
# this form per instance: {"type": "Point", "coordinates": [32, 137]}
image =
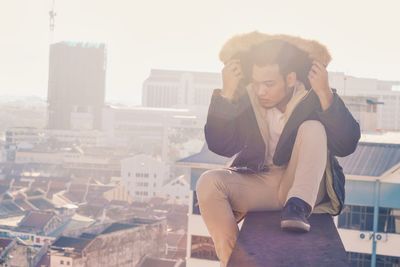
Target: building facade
{"type": "Point", "coordinates": [119, 244]}
{"type": "Point", "coordinates": [143, 176]}
{"type": "Point", "coordinates": [165, 88]}
{"type": "Point", "coordinates": [168, 88]}
{"type": "Point", "coordinates": [76, 87]}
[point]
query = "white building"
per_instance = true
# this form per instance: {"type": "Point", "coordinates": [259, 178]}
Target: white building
{"type": "Point", "coordinates": [388, 92]}
{"type": "Point", "coordinates": [168, 88]}
{"type": "Point", "coordinates": [372, 188]}
{"type": "Point", "coordinates": [146, 128]}
{"type": "Point", "coordinates": [200, 247]}
{"type": "Point", "coordinates": [364, 110]}
{"type": "Point", "coordinates": [143, 176]}
{"type": "Point", "coordinates": [177, 190]}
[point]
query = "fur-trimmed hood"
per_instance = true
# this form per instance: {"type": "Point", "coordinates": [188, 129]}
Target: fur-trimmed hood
{"type": "Point", "coordinates": [242, 43]}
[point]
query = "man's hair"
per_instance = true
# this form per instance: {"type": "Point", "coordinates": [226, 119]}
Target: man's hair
{"type": "Point", "coordinates": [288, 57]}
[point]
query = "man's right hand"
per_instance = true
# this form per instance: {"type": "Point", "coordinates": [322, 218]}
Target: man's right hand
{"type": "Point", "coordinates": [231, 76]}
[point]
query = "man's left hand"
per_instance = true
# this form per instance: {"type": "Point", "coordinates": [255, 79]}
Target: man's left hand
{"type": "Point", "coordinates": [318, 77]}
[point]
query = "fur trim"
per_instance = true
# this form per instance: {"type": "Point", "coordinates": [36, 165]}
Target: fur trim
{"type": "Point", "coordinates": [243, 42]}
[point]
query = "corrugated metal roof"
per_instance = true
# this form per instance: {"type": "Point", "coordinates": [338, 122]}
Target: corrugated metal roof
{"type": "Point", "coordinates": [371, 159]}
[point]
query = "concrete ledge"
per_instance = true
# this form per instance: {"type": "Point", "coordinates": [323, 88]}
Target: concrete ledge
{"type": "Point", "coordinates": [261, 243]}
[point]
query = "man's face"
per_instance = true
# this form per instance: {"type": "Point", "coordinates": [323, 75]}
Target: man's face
{"type": "Point", "coordinates": [269, 85]}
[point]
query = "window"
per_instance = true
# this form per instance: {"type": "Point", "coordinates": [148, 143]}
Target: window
{"type": "Point", "coordinates": [62, 262]}
{"type": "Point", "coordinates": [361, 218]}
{"type": "Point", "coordinates": [195, 204]}
{"type": "Point", "coordinates": [202, 247]}
{"type": "Point", "coordinates": [361, 260]}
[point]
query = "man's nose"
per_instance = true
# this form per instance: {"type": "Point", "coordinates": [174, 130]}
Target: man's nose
{"type": "Point", "coordinates": [261, 90]}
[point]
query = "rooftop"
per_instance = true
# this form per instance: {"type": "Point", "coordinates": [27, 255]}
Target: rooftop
{"type": "Point", "coordinates": [76, 243]}
{"type": "Point", "coordinates": [5, 242]}
{"type": "Point", "coordinates": [36, 220]}
{"type": "Point", "coordinates": [205, 156]}
{"type": "Point", "coordinates": [157, 262]}
{"type": "Point", "coordinates": [371, 159]}
{"type": "Point", "coordinates": [118, 227]}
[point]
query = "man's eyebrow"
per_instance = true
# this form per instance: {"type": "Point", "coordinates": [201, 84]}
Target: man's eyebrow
{"type": "Point", "coordinates": [265, 81]}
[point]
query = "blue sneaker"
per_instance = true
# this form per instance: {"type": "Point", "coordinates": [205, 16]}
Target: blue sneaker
{"type": "Point", "coordinates": [294, 215]}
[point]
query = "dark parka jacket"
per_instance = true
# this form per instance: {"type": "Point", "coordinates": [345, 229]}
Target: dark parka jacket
{"type": "Point", "coordinates": [232, 129]}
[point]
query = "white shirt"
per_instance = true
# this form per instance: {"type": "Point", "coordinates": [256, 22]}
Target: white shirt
{"type": "Point", "coordinates": [276, 122]}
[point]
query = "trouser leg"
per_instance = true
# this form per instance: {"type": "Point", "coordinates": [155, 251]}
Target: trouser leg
{"type": "Point", "coordinates": [304, 174]}
{"type": "Point", "coordinates": [224, 197]}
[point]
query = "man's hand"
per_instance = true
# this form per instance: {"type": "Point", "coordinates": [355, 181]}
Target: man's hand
{"type": "Point", "coordinates": [231, 76]}
{"type": "Point", "coordinates": [318, 77]}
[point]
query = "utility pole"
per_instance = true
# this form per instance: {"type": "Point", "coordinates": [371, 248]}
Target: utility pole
{"type": "Point", "coordinates": [52, 15]}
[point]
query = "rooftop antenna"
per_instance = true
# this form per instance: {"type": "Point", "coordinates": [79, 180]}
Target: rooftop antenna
{"type": "Point", "coordinates": [52, 15]}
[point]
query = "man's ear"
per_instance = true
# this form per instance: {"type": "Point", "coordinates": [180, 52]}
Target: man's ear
{"type": "Point", "coordinates": [291, 79]}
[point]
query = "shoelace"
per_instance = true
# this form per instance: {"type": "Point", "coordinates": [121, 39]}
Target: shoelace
{"type": "Point", "coordinates": [299, 210]}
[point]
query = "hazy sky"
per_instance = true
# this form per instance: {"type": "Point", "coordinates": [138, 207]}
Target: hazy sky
{"type": "Point", "coordinates": [362, 36]}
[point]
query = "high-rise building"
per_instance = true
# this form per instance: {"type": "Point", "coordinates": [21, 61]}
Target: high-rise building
{"type": "Point", "coordinates": [169, 88]}
{"type": "Point", "coordinates": [76, 88]}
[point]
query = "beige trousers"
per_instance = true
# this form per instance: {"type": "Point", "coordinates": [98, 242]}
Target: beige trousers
{"type": "Point", "coordinates": [225, 196]}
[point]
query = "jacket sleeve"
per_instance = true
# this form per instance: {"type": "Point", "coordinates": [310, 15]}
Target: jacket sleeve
{"type": "Point", "coordinates": [343, 131]}
{"type": "Point", "coordinates": [221, 129]}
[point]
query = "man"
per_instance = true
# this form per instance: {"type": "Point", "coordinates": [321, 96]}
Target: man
{"type": "Point", "coordinates": [278, 115]}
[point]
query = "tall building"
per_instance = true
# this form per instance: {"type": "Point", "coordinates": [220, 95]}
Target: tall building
{"type": "Point", "coordinates": [76, 88]}
{"type": "Point", "coordinates": [168, 88]}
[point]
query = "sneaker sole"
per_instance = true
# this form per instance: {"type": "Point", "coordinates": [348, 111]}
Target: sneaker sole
{"type": "Point", "coordinates": [295, 226]}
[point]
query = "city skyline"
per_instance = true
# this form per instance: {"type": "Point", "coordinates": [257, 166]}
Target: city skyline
{"type": "Point", "coordinates": [187, 36]}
